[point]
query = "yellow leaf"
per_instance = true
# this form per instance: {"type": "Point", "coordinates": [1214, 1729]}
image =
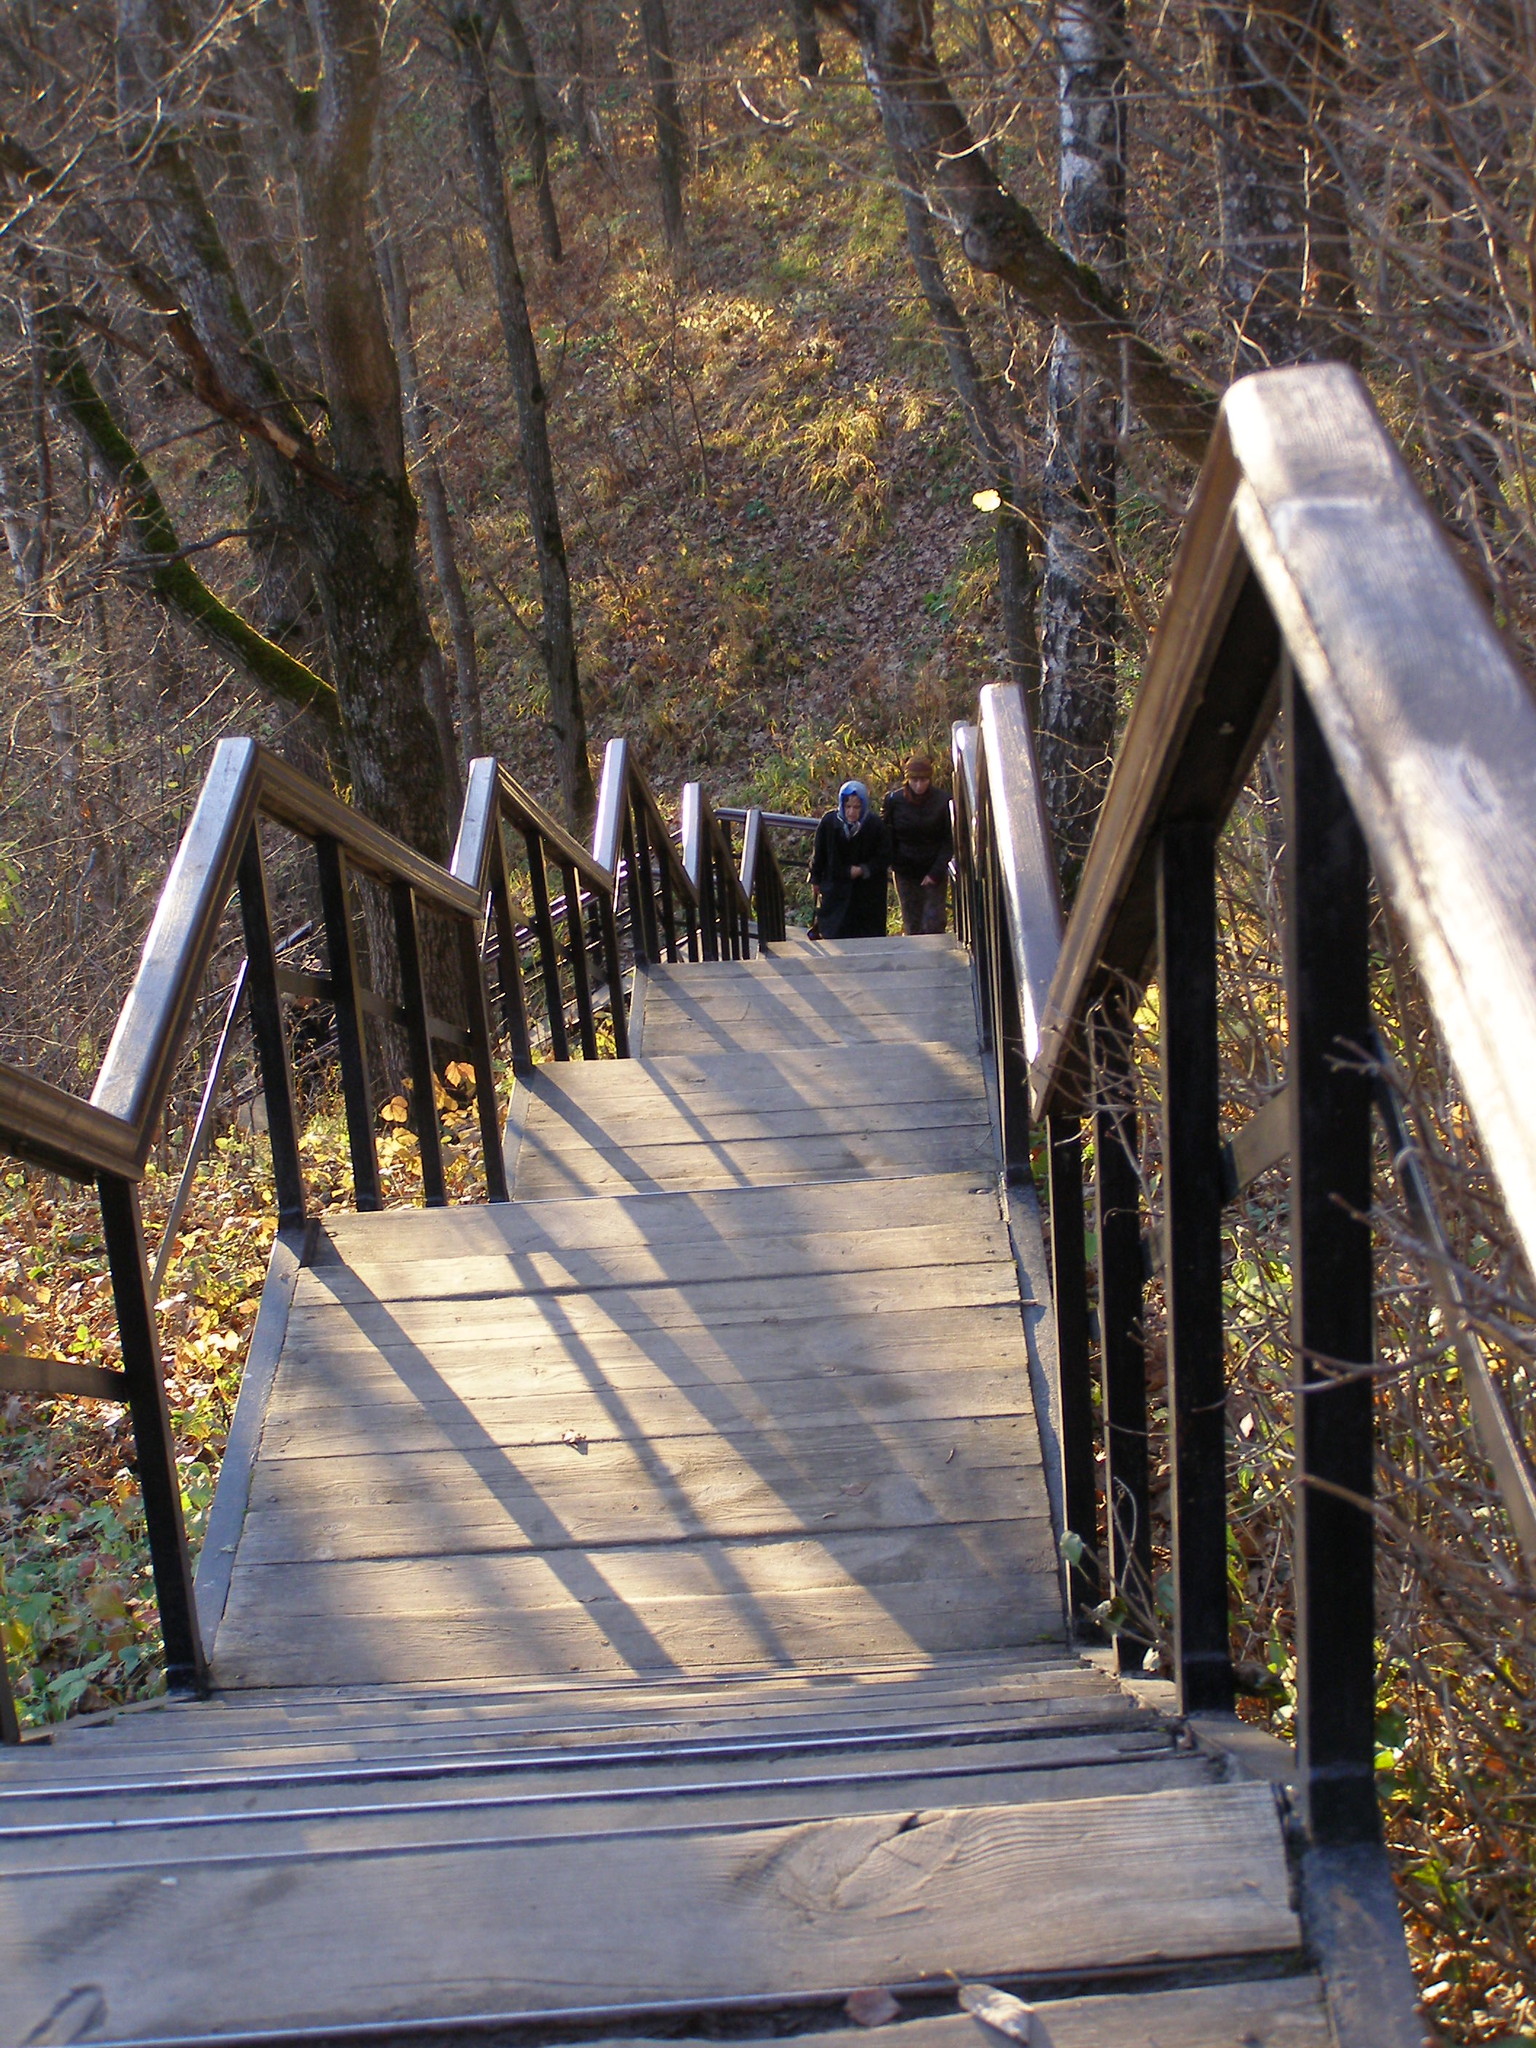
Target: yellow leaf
{"type": "Point", "coordinates": [396, 1110]}
{"type": "Point", "coordinates": [987, 501]}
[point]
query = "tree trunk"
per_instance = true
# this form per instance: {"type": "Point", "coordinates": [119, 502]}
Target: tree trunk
{"type": "Point", "coordinates": [807, 42]}
{"type": "Point", "coordinates": [1273, 64]}
{"type": "Point", "coordinates": [567, 715]}
{"type": "Point", "coordinates": [1079, 622]}
{"type": "Point", "coordinates": [434, 499]}
{"type": "Point", "coordinates": [1000, 235]}
{"type": "Point", "coordinates": [354, 517]}
{"type": "Point", "coordinates": [376, 625]}
{"type": "Point", "coordinates": [1016, 579]}
{"type": "Point", "coordinates": [671, 135]}
{"type": "Point", "coordinates": [535, 136]}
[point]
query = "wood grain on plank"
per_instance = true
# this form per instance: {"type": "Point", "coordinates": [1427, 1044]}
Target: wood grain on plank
{"type": "Point", "coordinates": [658, 1491]}
{"type": "Point", "coordinates": [418, 1806]}
{"type": "Point", "coordinates": [701, 1164]}
{"type": "Point", "coordinates": [864, 1404]}
{"type": "Point", "coordinates": [895, 1898]}
{"type": "Point", "coordinates": [591, 1269]}
{"type": "Point", "coordinates": [338, 1364]}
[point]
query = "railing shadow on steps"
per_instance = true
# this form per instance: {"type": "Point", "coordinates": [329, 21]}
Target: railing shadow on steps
{"type": "Point", "coordinates": [635, 898]}
{"type": "Point", "coordinates": [1313, 584]}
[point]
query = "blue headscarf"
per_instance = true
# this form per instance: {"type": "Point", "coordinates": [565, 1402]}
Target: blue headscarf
{"type": "Point", "coordinates": [849, 789]}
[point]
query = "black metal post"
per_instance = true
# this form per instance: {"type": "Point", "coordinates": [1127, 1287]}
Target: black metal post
{"type": "Point", "coordinates": [273, 1058]}
{"type": "Point", "coordinates": [608, 925]}
{"type": "Point", "coordinates": [159, 1482]}
{"type": "Point", "coordinates": [487, 1109]}
{"type": "Point", "coordinates": [509, 967]}
{"type": "Point", "coordinates": [418, 1039]}
{"type": "Point", "coordinates": [1192, 1197]}
{"type": "Point", "coordinates": [351, 1037]}
{"type": "Point", "coordinates": [1122, 1280]}
{"type": "Point", "coordinates": [708, 927]}
{"type": "Point", "coordinates": [544, 936]}
{"type": "Point", "coordinates": [1069, 1287]}
{"type": "Point", "coordinates": [1328, 996]}
{"type": "Point", "coordinates": [642, 899]}
{"type": "Point", "coordinates": [576, 944]}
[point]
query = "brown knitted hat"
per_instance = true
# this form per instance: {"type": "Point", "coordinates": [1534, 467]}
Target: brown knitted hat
{"type": "Point", "coordinates": [918, 764]}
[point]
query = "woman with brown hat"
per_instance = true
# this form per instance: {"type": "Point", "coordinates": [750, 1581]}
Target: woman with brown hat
{"type": "Point", "coordinates": [921, 839]}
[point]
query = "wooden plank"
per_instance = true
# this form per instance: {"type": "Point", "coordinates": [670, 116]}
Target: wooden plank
{"type": "Point", "coordinates": [715, 1634]}
{"type": "Point", "coordinates": [591, 1270]}
{"type": "Point", "coordinates": [1002, 1769]}
{"type": "Point", "coordinates": [655, 1220]}
{"type": "Point", "coordinates": [139, 1837]}
{"type": "Point", "coordinates": [928, 1475]}
{"type": "Point", "coordinates": [343, 1366]}
{"type": "Point", "coordinates": [1031, 1693]}
{"type": "Point", "coordinates": [1275, 2012]}
{"type": "Point", "coordinates": [335, 1745]}
{"type": "Point", "coordinates": [635, 1583]}
{"type": "Point", "coordinates": [687, 1917]}
{"type": "Point", "coordinates": [699, 1165]}
{"type": "Point", "coordinates": [570, 1125]}
{"type": "Point", "coordinates": [495, 1425]}
{"type": "Point", "coordinates": [711, 1304]}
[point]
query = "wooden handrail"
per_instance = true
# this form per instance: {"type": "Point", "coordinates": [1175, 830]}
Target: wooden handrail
{"type": "Point", "coordinates": [574, 925]}
{"type": "Point", "coordinates": [1311, 578]}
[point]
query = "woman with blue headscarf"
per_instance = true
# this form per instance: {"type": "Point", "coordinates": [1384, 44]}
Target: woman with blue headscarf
{"type": "Point", "coordinates": [848, 869]}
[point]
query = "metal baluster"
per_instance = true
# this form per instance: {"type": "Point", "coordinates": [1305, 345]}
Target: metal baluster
{"type": "Point", "coordinates": [509, 964]}
{"type": "Point", "coordinates": [1192, 1200]}
{"type": "Point", "coordinates": [1069, 1288]}
{"type": "Point", "coordinates": [1327, 965]}
{"type": "Point", "coordinates": [642, 902]}
{"type": "Point", "coordinates": [608, 930]}
{"type": "Point", "coordinates": [155, 1451]}
{"type": "Point", "coordinates": [1122, 1279]}
{"type": "Point", "coordinates": [351, 1035]}
{"type": "Point", "coordinates": [274, 1060]}
{"type": "Point", "coordinates": [418, 1038]}
{"type": "Point", "coordinates": [709, 931]}
{"type": "Point", "coordinates": [487, 1111]}
{"type": "Point", "coordinates": [544, 936]}
{"type": "Point", "coordinates": [577, 942]}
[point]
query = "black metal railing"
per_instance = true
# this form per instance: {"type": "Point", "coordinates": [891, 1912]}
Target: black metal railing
{"type": "Point", "coordinates": [1313, 583]}
{"type": "Point", "coordinates": [568, 925]}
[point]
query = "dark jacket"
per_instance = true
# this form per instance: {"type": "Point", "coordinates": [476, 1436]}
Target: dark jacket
{"type": "Point", "coordinates": [920, 834]}
{"type": "Point", "coordinates": [850, 909]}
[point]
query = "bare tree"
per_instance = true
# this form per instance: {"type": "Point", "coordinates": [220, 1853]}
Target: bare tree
{"type": "Point", "coordinates": [535, 135]}
{"type": "Point", "coordinates": [567, 715]}
{"type": "Point", "coordinates": [1079, 619]}
{"type": "Point", "coordinates": [434, 495]}
{"type": "Point", "coordinates": [671, 135]}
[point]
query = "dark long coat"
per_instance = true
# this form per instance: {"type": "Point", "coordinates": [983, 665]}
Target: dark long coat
{"type": "Point", "coordinates": [850, 909]}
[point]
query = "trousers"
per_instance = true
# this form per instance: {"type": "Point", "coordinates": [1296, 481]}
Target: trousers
{"type": "Point", "coordinates": [922, 910]}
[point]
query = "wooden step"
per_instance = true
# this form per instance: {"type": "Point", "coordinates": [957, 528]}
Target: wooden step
{"type": "Point", "coordinates": [674, 1917]}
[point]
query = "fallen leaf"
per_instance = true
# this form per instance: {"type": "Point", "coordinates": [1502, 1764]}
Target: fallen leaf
{"type": "Point", "coordinates": [1003, 2013]}
{"type": "Point", "coordinates": [575, 1438]}
{"type": "Point", "coordinates": [395, 1111]}
{"type": "Point", "coordinates": [871, 2008]}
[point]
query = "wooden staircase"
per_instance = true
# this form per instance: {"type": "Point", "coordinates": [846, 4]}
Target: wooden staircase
{"type": "Point", "coordinates": [639, 1611]}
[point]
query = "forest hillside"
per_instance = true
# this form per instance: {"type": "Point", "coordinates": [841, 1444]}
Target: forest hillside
{"type": "Point", "coordinates": [401, 384]}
